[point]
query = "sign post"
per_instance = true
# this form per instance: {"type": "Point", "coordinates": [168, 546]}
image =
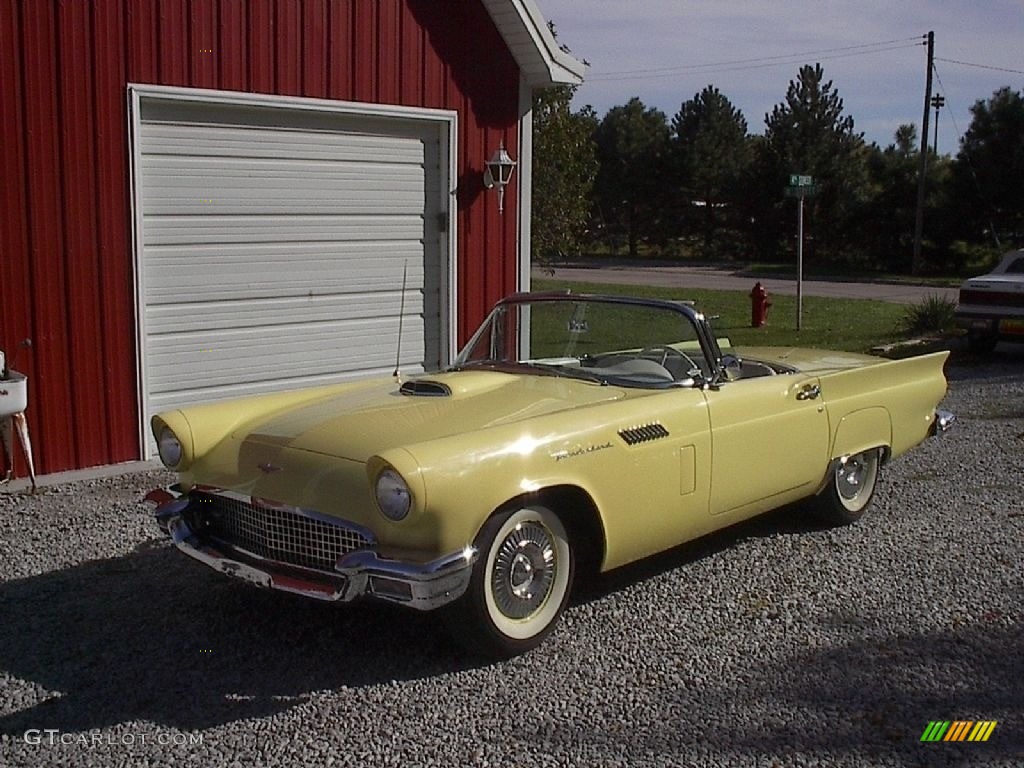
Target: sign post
{"type": "Point", "coordinates": [800, 187]}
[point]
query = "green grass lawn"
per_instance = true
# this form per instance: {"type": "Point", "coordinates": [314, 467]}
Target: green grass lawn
{"type": "Point", "coordinates": [853, 325]}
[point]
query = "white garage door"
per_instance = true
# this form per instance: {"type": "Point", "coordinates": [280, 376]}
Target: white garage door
{"type": "Point", "coordinates": [274, 243]}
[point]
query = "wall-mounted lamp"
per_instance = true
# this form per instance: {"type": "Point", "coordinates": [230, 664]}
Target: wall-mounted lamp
{"type": "Point", "coordinates": [498, 172]}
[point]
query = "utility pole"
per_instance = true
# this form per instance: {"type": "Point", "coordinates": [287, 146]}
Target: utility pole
{"type": "Point", "coordinates": [800, 186]}
{"type": "Point", "coordinates": [938, 101]}
{"type": "Point", "coordinates": [917, 265]}
{"type": "Point", "coordinates": [800, 264]}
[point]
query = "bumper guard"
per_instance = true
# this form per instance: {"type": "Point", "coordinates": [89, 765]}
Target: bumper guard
{"type": "Point", "coordinates": [943, 422]}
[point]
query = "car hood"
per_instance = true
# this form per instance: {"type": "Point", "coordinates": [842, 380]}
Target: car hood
{"type": "Point", "coordinates": [358, 424]}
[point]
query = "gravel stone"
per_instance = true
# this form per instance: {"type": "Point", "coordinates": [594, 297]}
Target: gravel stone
{"type": "Point", "coordinates": [777, 642]}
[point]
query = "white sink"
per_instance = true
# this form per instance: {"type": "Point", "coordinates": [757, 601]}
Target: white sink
{"type": "Point", "coordinates": [13, 393]}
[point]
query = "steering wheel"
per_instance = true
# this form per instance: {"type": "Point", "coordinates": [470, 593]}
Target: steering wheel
{"type": "Point", "coordinates": [666, 351]}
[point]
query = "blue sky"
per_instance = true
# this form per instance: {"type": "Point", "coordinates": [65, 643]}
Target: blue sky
{"type": "Point", "coordinates": [665, 51]}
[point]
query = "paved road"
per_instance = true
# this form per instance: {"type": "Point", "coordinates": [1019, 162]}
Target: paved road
{"type": "Point", "coordinates": [717, 278]}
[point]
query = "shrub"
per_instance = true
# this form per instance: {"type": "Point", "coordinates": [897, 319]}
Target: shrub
{"type": "Point", "coordinates": [933, 314]}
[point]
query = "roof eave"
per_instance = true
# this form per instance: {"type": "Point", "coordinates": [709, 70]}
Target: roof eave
{"type": "Point", "coordinates": [541, 61]}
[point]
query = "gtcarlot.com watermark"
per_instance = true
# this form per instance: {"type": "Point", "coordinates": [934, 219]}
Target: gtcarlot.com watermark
{"type": "Point", "coordinates": [51, 737]}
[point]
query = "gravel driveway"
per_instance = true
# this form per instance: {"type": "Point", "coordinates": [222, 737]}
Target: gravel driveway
{"type": "Point", "coordinates": [775, 643]}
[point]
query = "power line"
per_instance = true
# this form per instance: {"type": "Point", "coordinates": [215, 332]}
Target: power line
{"type": "Point", "coordinates": [710, 71]}
{"type": "Point", "coordinates": [981, 66]}
{"type": "Point", "coordinates": [951, 112]}
{"type": "Point", "coordinates": [758, 62]}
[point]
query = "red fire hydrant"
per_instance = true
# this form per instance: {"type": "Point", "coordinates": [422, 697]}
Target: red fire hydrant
{"type": "Point", "coordinates": [759, 305]}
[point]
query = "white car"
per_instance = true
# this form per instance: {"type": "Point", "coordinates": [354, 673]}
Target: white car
{"type": "Point", "coordinates": [991, 306]}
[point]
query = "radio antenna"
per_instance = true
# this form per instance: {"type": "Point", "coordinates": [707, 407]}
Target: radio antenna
{"type": "Point", "coordinates": [401, 318]}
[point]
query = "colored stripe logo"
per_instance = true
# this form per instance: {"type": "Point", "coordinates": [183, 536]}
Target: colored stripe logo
{"type": "Point", "coordinates": [959, 730]}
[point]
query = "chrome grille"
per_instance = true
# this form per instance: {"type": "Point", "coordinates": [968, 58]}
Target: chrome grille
{"type": "Point", "coordinates": [276, 533]}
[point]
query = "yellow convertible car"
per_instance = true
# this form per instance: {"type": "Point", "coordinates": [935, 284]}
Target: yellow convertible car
{"type": "Point", "coordinates": [572, 431]}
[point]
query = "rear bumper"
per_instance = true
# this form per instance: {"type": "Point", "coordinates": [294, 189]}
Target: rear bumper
{"type": "Point", "coordinates": [362, 573]}
{"type": "Point", "coordinates": [983, 322]}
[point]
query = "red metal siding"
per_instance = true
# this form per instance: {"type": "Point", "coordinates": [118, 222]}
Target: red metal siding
{"type": "Point", "coordinates": [65, 211]}
{"type": "Point", "coordinates": [50, 359]}
{"type": "Point", "coordinates": [84, 347]}
{"type": "Point", "coordinates": [315, 48]}
{"type": "Point", "coordinates": [117, 326]}
{"type": "Point", "coordinates": [204, 62]}
{"type": "Point", "coordinates": [15, 269]}
{"type": "Point", "coordinates": [363, 56]}
{"type": "Point", "coordinates": [232, 52]}
{"type": "Point", "coordinates": [261, 46]}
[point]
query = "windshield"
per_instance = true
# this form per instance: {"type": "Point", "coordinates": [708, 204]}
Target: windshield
{"type": "Point", "coordinates": [602, 340]}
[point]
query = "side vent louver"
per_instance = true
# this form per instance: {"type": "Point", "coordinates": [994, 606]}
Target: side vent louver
{"type": "Point", "coordinates": [423, 388]}
{"type": "Point", "coordinates": [643, 434]}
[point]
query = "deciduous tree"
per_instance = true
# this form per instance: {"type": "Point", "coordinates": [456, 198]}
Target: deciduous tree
{"type": "Point", "coordinates": [989, 169]}
{"type": "Point", "coordinates": [564, 168]}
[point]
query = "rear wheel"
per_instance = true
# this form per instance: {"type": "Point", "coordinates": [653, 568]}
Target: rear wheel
{"type": "Point", "coordinates": [850, 489]}
{"type": "Point", "coordinates": [519, 586]}
{"type": "Point", "coordinates": [981, 343]}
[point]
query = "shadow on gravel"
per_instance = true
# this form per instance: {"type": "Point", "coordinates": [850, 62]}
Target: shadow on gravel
{"type": "Point", "coordinates": [864, 702]}
{"type": "Point", "coordinates": [152, 636]}
{"type": "Point", "coordinates": [1006, 361]}
{"type": "Point", "coordinates": [791, 519]}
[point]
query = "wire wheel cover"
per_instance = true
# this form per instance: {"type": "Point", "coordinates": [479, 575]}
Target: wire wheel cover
{"type": "Point", "coordinates": [524, 570]}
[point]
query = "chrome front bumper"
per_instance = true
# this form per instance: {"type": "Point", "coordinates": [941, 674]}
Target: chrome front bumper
{"type": "Point", "coordinates": [363, 573]}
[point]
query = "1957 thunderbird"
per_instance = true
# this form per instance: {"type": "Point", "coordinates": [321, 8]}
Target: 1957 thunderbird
{"type": "Point", "coordinates": [572, 430]}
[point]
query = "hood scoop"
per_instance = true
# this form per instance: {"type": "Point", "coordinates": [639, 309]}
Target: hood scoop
{"type": "Point", "coordinates": [425, 388]}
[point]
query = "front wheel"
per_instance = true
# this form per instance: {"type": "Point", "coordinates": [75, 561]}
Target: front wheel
{"type": "Point", "coordinates": [850, 489]}
{"type": "Point", "coordinates": [519, 586]}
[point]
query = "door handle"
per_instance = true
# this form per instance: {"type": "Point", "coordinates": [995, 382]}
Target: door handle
{"type": "Point", "coordinates": [810, 392]}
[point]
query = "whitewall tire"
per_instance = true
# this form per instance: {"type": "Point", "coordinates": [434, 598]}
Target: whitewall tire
{"type": "Point", "coordinates": [520, 583]}
{"type": "Point", "coordinates": [850, 489]}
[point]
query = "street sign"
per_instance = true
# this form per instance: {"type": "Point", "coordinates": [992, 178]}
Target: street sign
{"type": "Point", "coordinates": [800, 186]}
{"type": "Point", "coordinates": [810, 191]}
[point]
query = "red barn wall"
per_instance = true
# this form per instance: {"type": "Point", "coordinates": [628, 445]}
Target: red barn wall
{"type": "Point", "coordinates": [66, 261]}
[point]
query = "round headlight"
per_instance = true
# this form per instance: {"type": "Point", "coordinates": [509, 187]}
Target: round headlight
{"type": "Point", "coordinates": [393, 495]}
{"type": "Point", "coordinates": [169, 447]}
